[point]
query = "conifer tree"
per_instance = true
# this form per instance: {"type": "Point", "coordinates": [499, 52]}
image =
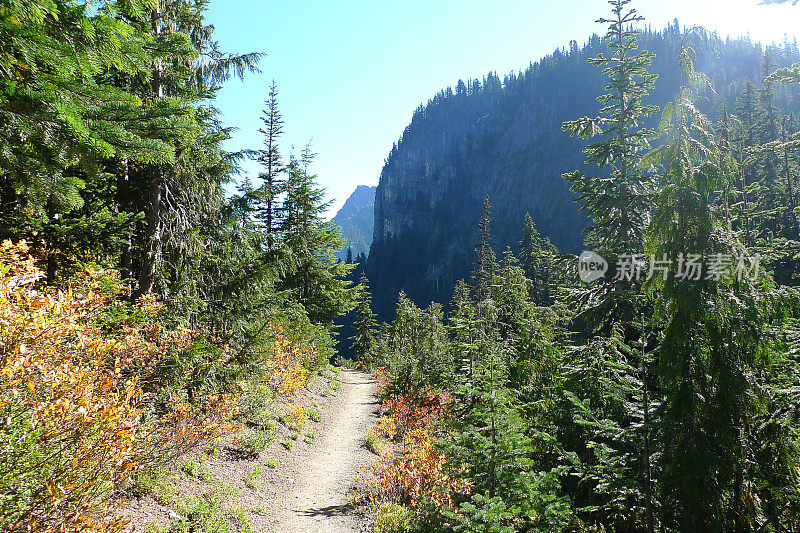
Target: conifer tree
{"type": "Point", "coordinates": [270, 160]}
{"type": "Point", "coordinates": [538, 256]}
{"type": "Point", "coordinates": [312, 274]}
{"type": "Point", "coordinates": [713, 337]}
{"type": "Point", "coordinates": [485, 260]}
{"type": "Point", "coordinates": [365, 324]}
{"type": "Point", "coordinates": [618, 205]}
{"type": "Point", "coordinates": [604, 377]}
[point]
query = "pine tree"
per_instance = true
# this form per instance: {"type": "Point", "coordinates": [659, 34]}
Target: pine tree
{"type": "Point", "coordinates": [538, 257]}
{"type": "Point", "coordinates": [270, 160]}
{"type": "Point", "coordinates": [485, 261]}
{"type": "Point", "coordinates": [618, 206]}
{"type": "Point", "coordinates": [312, 274]}
{"type": "Point", "coordinates": [604, 379]}
{"type": "Point", "coordinates": [713, 338]}
{"type": "Point", "coordinates": [365, 324]}
{"type": "Point", "coordinates": [178, 82]}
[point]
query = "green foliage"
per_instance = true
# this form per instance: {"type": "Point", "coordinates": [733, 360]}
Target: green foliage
{"type": "Point", "coordinates": [203, 514]}
{"type": "Point", "coordinates": [313, 414]}
{"type": "Point", "coordinates": [312, 274]}
{"type": "Point", "coordinates": [156, 480]}
{"type": "Point", "coordinates": [254, 476]}
{"type": "Point", "coordinates": [365, 325]}
{"type": "Point", "coordinates": [392, 518]}
{"type": "Point", "coordinates": [254, 441]}
{"type": "Point", "coordinates": [255, 405]}
{"type": "Point", "coordinates": [414, 347]}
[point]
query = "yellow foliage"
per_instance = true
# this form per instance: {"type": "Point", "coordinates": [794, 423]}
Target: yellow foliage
{"type": "Point", "coordinates": [286, 370]}
{"type": "Point", "coordinates": [297, 418]}
{"type": "Point", "coordinates": [71, 396]}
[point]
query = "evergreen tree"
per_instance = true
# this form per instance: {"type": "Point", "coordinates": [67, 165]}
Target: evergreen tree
{"type": "Point", "coordinates": [270, 160]}
{"type": "Point", "coordinates": [618, 206]}
{"type": "Point", "coordinates": [485, 261]}
{"type": "Point", "coordinates": [312, 275]}
{"type": "Point", "coordinates": [713, 341]}
{"type": "Point", "coordinates": [365, 324]}
{"type": "Point", "coordinates": [606, 391]}
{"type": "Point", "coordinates": [538, 257]}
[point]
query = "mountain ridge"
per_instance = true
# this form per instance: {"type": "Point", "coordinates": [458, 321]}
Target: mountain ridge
{"type": "Point", "coordinates": [355, 218]}
{"type": "Point", "coordinates": [503, 138]}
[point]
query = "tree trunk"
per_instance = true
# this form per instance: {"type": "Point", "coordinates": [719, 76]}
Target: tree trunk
{"type": "Point", "coordinates": [147, 274]}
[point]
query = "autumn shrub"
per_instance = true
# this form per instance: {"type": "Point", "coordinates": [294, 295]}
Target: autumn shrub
{"type": "Point", "coordinates": [411, 469]}
{"type": "Point", "coordinates": [288, 367]}
{"type": "Point", "coordinates": [297, 418]}
{"type": "Point", "coordinates": [74, 405]}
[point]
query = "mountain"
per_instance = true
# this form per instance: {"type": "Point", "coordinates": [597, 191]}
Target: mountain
{"type": "Point", "coordinates": [355, 219]}
{"type": "Point", "coordinates": [503, 138]}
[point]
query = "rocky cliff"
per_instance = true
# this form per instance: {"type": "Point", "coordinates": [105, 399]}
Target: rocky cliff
{"type": "Point", "coordinates": [355, 218]}
{"type": "Point", "coordinates": [503, 138]}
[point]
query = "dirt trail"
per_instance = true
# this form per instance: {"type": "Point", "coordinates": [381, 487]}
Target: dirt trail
{"type": "Point", "coordinates": [317, 499]}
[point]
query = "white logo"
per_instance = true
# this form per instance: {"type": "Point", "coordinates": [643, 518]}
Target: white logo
{"type": "Point", "coordinates": [591, 266]}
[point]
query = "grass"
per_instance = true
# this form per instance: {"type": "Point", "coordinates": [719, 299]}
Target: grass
{"type": "Point", "coordinates": [287, 444]}
{"type": "Point", "coordinates": [313, 414]}
{"type": "Point", "coordinates": [271, 463]}
{"type": "Point", "coordinates": [253, 478]}
{"type": "Point", "coordinates": [310, 437]}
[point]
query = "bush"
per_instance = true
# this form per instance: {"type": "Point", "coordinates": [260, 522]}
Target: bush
{"type": "Point", "coordinates": [297, 418]}
{"type": "Point", "coordinates": [393, 518]}
{"type": "Point", "coordinates": [375, 443]}
{"type": "Point", "coordinates": [70, 398]}
{"type": "Point", "coordinates": [255, 441]}
{"type": "Point", "coordinates": [157, 480]}
{"type": "Point", "coordinates": [255, 405]}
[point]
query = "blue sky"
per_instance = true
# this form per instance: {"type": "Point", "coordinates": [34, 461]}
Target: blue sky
{"type": "Point", "coordinates": [350, 73]}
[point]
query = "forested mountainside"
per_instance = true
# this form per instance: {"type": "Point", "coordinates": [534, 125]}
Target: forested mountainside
{"type": "Point", "coordinates": [503, 138]}
{"type": "Point", "coordinates": [355, 220]}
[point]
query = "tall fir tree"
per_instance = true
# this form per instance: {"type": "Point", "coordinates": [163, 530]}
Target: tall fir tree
{"type": "Point", "coordinates": [312, 273]}
{"type": "Point", "coordinates": [365, 325]}
{"type": "Point", "coordinates": [270, 159]}
{"type": "Point", "coordinates": [604, 377]}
